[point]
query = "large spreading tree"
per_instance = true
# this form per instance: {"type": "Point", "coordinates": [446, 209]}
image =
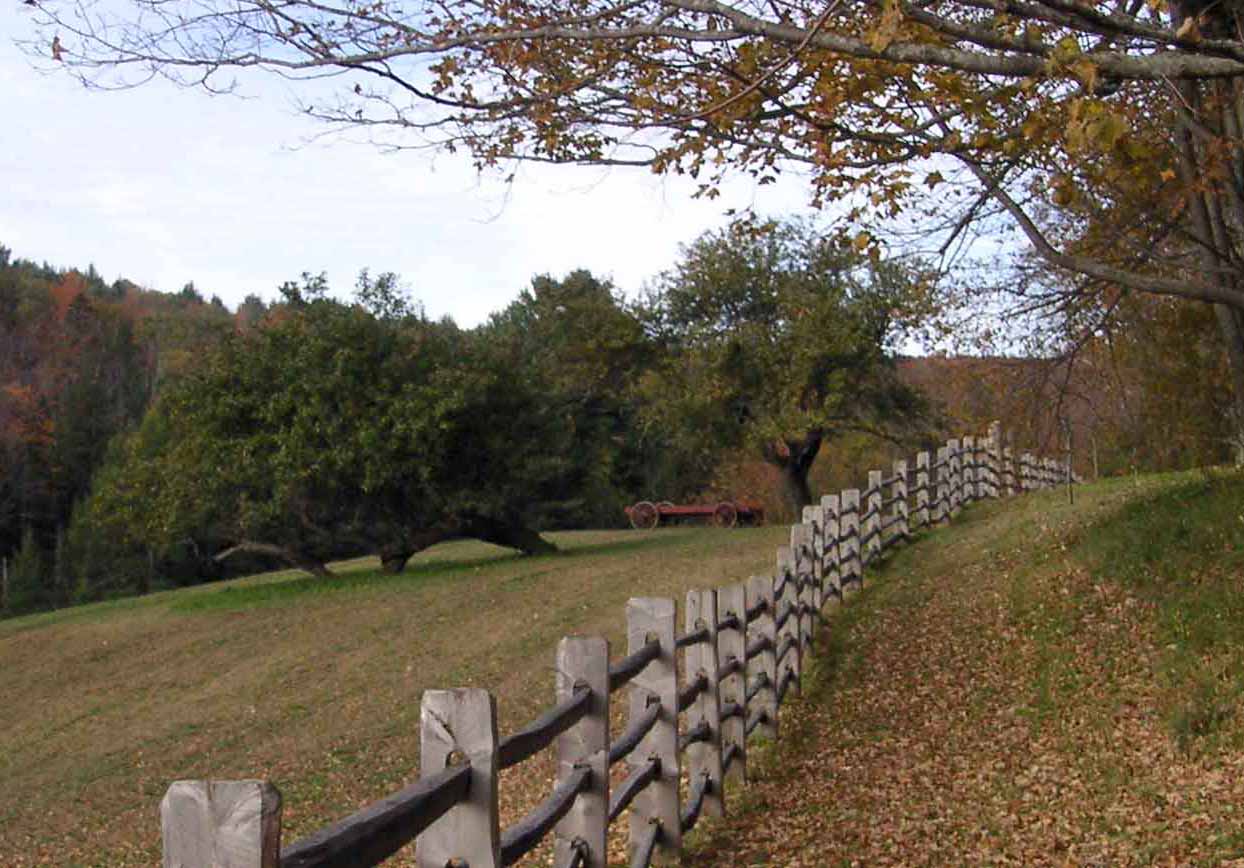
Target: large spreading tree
{"type": "Point", "coordinates": [778, 339]}
{"type": "Point", "coordinates": [1107, 132]}
{"type": "Point", "coordinates": [334, 430]}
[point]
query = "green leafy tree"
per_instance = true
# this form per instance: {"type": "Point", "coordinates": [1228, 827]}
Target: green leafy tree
{"type": "Point", "coordinates": [588, 350]}
{"type": "Point", "coordinates": [780, 339]}
{"type": "Point", "coordinates": [327, 431]}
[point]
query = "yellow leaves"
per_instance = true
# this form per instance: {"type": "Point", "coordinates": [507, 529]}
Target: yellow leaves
{"type": "Point", "coordinates": [1065, 52]}
{"type": "Point", "coordinates": [887, 28]}
{"type": "Point", "coordinates": [1065, 192]}
{"type": "Point", "coordinates": [1086, 72]}
{"type": "Point", "coordinates": [1189, 29]}
{"type": "Point", "coordinates": [861, 241]}
{"type": "Point", "coordinates": [1095, 125]}
{"type": "Point", "coordinates": [1167, 175]}
{"type": "Point", "coordinates": [932, 179]}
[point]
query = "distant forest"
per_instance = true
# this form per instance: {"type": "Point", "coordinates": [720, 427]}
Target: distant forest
{"type": "Point", "coordinates": [152, 439]}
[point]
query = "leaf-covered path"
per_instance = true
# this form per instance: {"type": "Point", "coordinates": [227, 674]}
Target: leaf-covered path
{"type": "Point", "coordinates": [987, 701]}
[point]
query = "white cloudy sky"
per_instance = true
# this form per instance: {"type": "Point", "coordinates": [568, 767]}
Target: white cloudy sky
{"type": "Point", "coordinates": [165, 186]}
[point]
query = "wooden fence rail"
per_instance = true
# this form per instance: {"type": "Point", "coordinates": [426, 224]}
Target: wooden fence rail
{"type": "Point", "coordinates": [742, 650]}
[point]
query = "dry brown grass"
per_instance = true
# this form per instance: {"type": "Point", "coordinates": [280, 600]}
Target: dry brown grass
{"type": "Point", "coordinates": [312, 685]}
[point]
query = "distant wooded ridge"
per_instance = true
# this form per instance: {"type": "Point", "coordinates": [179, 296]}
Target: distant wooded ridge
{"type": "Point", "coordinates": [689, 394]}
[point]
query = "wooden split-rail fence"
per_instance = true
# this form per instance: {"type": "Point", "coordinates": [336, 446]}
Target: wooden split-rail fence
{"type": "Point", "coordinates": [742, 650]}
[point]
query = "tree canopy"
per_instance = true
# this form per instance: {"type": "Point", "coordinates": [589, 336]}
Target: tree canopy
{"type": "Point", "coordinates": [330, 431]}
{"type": "Point", "coordinates": [1108, 133]}
{"type": "Point", "coordinates": [779, 339]}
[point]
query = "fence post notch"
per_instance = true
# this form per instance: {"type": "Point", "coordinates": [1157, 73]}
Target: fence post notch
{"type": "Point", "coordinates": [763, 667]}
{"type": "Point", "coordinates": [831, 530]}
{"type": "Point", "coordinates": [899, 492]}
{"type": "Point", "coordinates": [704, 757]}
{"type": "Point", "coordinates": [922, 489]}
{"type": "Point", "coordinates": [456, 725]}
{"type": "Point", "coordinates": [652, 618]}
{"type": "Point", "coordinates": [222, 824]}
{"type": "Point", "coordinates": [732, 644]}
{"type": "Point", "coordinates": [793, 628]}
{"type": "Point", "coordinates": [872, 524]}
{"type": "Point", "coordinates": [584, 660]}
{"type": "Point", "coordinates": [852, 558]}
{"type": "Point", "coordinates": [955, 479]}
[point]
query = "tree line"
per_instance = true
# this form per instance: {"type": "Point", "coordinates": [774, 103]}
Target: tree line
{"type": "Point", "coordinates": [154, 439]}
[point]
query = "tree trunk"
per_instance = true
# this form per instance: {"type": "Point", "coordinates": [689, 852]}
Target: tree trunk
{"type": "Point", "coordinates": [794, 459]}
{"type": "Point", "coordinates": [1232, 329]}
{"type": "Point", "coordinates": [1216, 219]}
{"type": "Point", "coordinates": [794, 483]}
{"type": "Point", "coordinates": [511, 536]}
{"type": "Point", "coordinates": [393, 557]}
{"type": "Point", "coordinates": [392, 562]}
{"type": "Point", "coordinates": [299, 560]}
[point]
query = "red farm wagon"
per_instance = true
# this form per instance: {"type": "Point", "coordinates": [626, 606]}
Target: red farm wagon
{"type": "Point", "coordinates": [726, 513]}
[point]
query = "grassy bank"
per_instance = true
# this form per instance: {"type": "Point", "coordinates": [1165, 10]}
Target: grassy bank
{"type": "Point", "coordinates": [312, 684]}
{"type": "Point", "coordinates": [1048, 684]}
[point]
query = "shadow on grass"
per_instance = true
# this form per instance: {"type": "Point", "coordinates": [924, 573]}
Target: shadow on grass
{"type": "Point", "coordinates": [641, 540]}
{"type": "Point", "coordinates": [235, 597]}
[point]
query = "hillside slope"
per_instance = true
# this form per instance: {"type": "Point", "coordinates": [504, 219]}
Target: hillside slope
{"type": "Point", "coordinates": [312, 684]}
{"type": "Point", "coordinates": [1046, 684]}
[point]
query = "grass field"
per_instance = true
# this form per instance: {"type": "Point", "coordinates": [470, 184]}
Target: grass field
{"type": "Point", "coordinates": [1040, 684]}
{"type": "Point", "coordinates": [312, 684]}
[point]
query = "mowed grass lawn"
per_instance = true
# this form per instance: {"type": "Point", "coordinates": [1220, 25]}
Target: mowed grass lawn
{"type": "Point", "coordinates": [313, 684]}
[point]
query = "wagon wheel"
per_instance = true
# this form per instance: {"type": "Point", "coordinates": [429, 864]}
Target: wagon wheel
{"type": "Point", "coordinates": [725, 515]}
{"type": "Point", "coordinates": [644, 515]}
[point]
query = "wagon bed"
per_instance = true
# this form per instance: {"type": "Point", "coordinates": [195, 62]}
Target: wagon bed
{"type": "Point", "coordinates": [727, 513]}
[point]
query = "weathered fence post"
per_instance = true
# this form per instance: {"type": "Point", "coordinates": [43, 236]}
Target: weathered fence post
{"type": "Point", "coordinates": [704, 757]}
{"type": "Point", "coordinates": [732, 692]}
{"type": "Point", "coordinates": [922, 489]}
{"type": "Point", "coordinates": [941, 506]}
{"type": "Point", "coordinates": [221, 824]}
{"type": "Point", "coordinates": [652, 619]}
{"type": "Point", "coordinates": [814, 520]}
{"type": "Point", "coordinates": [852, 560]}
{"type": "Point", "coordinates": [899, 516]}
{"type": "Point", "coordinates": [762, 668]}
{"type": "Point", "coordinates": [583, 660]}
{"type": "Point", "coordinates": [788, 607]}
{"type": "Point", "coordinates": [982, 468]}
{"type": "Point", "coordinates": [952, 479]}
{"type": "Point", "coordinates": [459, 726]}
{"type": "Point", "coordinates": [969, 470]}
{"type": "Point", "coordinates": [872, 524]}
{"type": "Point", "coordinates": [800, 546]}
{"type": "Point", "coordinates": [995, 459]}
{"type": "Point", "coordinates": [1008, 472]}
{"type": "Point", "coordinates": [832, 531]}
